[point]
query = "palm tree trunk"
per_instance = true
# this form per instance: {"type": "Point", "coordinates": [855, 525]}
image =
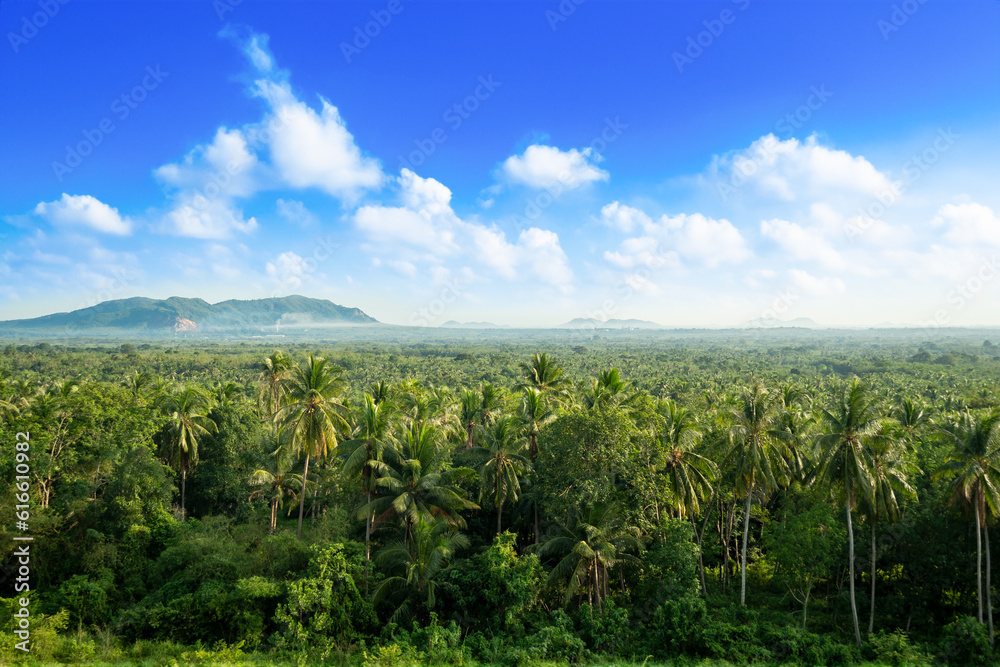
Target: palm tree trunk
{"type": "Point", "coordinates": [871, 613]}
{"type": "Point", "coordinates": [302, 496]}
{"type": "Point", "coordinates": [979, 563]}
{"type": "Point", "coordinates": [535, 508]}
{"type": "Point", "coordinates": [746, 532]}
{"type": "Point", "coordinates": [701, 561]}
{"type": "Point", "coordinates": [850, 543]}
{"type": "Point", "coordinates": [184, 476]}
{"type": "Point", "coordinates": [368, 529]}
{"type": "Point", "coordinates": [989, 592]}
{"type": "Point", "coordinates": [274, 514]}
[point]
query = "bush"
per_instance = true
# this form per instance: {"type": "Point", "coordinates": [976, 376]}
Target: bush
{"type": "Point", "coordinates": [895, 649]}
{"type": "Point", "coordinates": [965, 642]}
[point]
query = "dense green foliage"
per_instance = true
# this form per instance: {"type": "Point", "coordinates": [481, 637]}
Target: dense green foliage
{"type": "Point", "coordinates": [614, 499]}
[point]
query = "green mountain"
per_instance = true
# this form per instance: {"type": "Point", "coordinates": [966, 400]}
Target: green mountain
{"type": "Point", "coordinates": [180, 315]}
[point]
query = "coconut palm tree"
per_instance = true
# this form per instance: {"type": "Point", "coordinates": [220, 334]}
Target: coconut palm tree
{"type": "Point", "coordinates": [852, 428]}
{"type": "Point", "coordinates": [469, 408]}
{"type": "Point", "coordinates": [371, 435]}
{"type": "Point", "coordinates": [278, 482]}
{"type": "Point", "coordinates": [187, 422]}
{"type": "Point", "coordinates": [891, 469]}
{"type": "Point", "coordinates": [534, 415]}
{"type": "Point", "coordinates": [312, 413]}
{"type": "Point", "coordinates": [975, 461]}
{"type": "Point", "coordinates": [414, 481]}
{"type": "Point", "coordinates": [271, 384]}
{"type": "Point", "coordinates": [543, 374]}
{"type": "Point", "coordinates": [590, 544]}
{"type": "Point", "coordinates": [757, 455]}
{"type": "Point", "coordinates": [503, 464]}
{"type": "Point", "coordinates": [416, 566]}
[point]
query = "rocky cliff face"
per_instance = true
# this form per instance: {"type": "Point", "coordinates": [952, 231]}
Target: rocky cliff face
{"type": "Point", "coordinates": [181, 325]}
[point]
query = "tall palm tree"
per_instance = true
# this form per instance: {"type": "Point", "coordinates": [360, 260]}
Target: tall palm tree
{"type": "Point", "coordinates": [757, 455]}
{"type": "Point", "coordinates": [312, 413]}
{"type": "Point", "coordinates": [416, 566]}
{"type": "Point", "coordinates": [975, 460]}
{"type": "Point", "coordinates": [469, 408]}
{"type": "Point", "coordinates": [689, 476]}
{"type": "Point", "coordinates": [890, 471]}
{"type": "Point", "coordinates": [591, 543]}
{"type": "Point", "coordinates": [852, 428]}
{"type": "Point", "coordinates": [278, 482]}
{"type": "Point", "coordinates": [543, 374]}
{"type": "Point", "coordinates": [371, 435]}
{"type": "Point", "coordinates": [415, 481]}
{"type": "Point", "coordinates": [188, 421]}
{"type": "Point", "coordinates": [503, 464]}
{"type": "Point", "coordinates": [272, 386]}
{"type": "Point", "coordinates": [490, 403]}
{"type": "Point", "coordinates": [534, 415]}
{"type": "Point", "coordinates": [137, 384]}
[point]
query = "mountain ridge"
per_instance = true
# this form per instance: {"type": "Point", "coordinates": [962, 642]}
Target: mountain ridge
{"type": "Point", "coordinates": [182, 314]}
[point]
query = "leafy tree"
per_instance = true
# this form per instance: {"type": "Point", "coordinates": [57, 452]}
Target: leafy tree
{"type": "Point", "coordinates": [371, 435]}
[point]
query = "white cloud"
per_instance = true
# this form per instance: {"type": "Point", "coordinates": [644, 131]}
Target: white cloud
{"type": "Point", "coordinates": [792, 170]}
{"type": "Point", "coordinates": [624, 218]}
{"type": "Point", "coordinates": [288, 269]}
{"type": "Point", "coordinates": [801, 243]}
{"type": "Point", "coordinates": [813, 285]}
{"type": "Point", "coordinates": [663, 242]}
{"type": "Point", "coordinates": [969, 224]}
{"type": "Point", "coordinates": [427, 222]}
{"type": "Point", "coordinates": [296, 213]}
{"type": "Point", "coordinates": [85, 211]}
{"type": "Point", "coordinates": [310, 149]}
{"type": "Point", "coordinates": [547, 167]}
{"type": "Point", "coordinates": [206, 219]}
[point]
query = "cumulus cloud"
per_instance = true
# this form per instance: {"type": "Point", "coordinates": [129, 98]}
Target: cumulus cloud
{"type": "Point", "coordinates": [292, 146]}
{"type": "Point", "coordinates": [84, 211]}
{"type": "Point", "coordinates": [547, 166]}
{"type": "Point", "coordinates": [296, 213]}
{"type": "Point", "coordinates": [968, 224]}
{"type": "Point", "coordinates": [693, 237]}
{"type": "Point", "coordinates": [288, 269]}
{"type": "Point", "coordinates": [818, 286]}
{"type": "Point", "coordinates": [426, 221]}
{"type": "Point", "coordinates": [802, 243]}
{"type": "Point", "coordinates": [791, 169]}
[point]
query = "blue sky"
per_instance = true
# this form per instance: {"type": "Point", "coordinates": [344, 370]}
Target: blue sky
{"type": "Point", "coordinates": [690, 163]}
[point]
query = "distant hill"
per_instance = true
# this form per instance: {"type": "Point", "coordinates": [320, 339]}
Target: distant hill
{"type": "Point", "coordinates": [452, 324]}
{"type": "Point", "coordinates": [594, 323]}
{"type": "Point", "coordinates": [180, 315]}
{"type": "Point", "coordinates": [775, 323]}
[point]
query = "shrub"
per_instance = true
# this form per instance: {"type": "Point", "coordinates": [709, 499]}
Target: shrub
{"type": "Point", "coordinates": [965, 642]}
{"type": "Point", "coordinates": [895, 649]}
